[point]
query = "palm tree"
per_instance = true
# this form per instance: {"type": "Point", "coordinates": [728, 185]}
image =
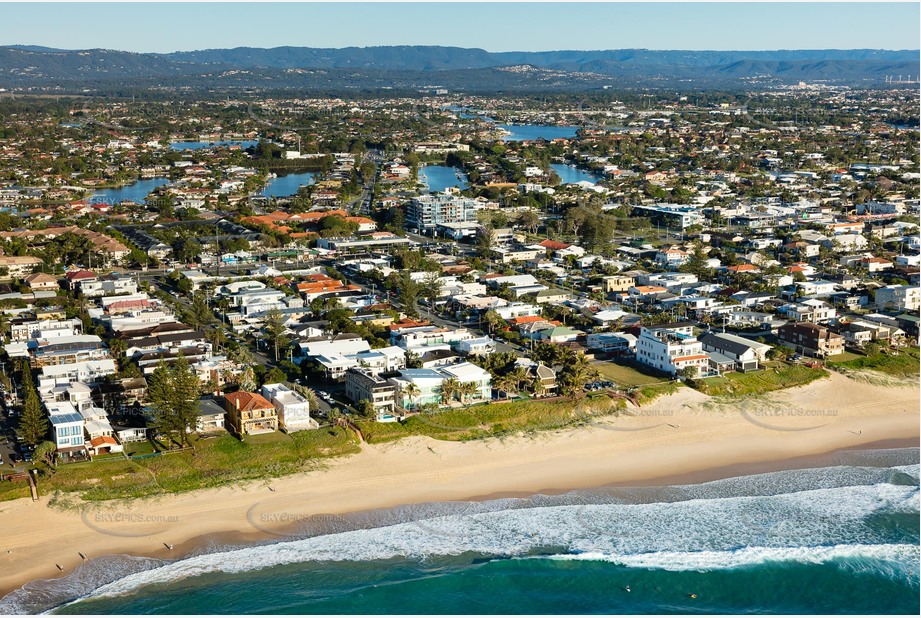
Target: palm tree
{"type": "Point", "coordinates": [411, 391]}
{"type": "Point", "coordinates": [466, 389]}
{"type": "Point", "coordinates": [519, 376]}
{"type": "Point", "coordinates": [218, 338]}
{"type": "Point", "coordinates": [537, 385]}
{"type": "Point", "coordinates": [577, 373]}
{"type": "Point", "coordinates": [503, 383]}
{"type": "Point", "coordinates": [117, 350]}
{"type": "Point", "coordinates": [492, 319]}
{"type": "Point", "coordinates": [449, 388]}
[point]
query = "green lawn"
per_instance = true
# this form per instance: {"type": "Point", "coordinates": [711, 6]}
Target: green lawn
{"type": "Point", "coordinates": [494, 419]}
{"type": "Point", "coordinates": [266, 438]}
{"type": "Point", "coordinates": [903, 364]}
{"type": "Point", "coordinates": [213, 462]}
{"type": "Point", "coordinates": [843, 357]}
{"type": "Point", "coordinates": [138, 448]}
{"type": "Point", "coordinates": [758, 382]}
{"type": "Point", "coordinates": [626, 375]}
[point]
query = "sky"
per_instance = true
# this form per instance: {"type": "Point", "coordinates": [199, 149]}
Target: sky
{"type": "Point", "coordinates": [512, 26]}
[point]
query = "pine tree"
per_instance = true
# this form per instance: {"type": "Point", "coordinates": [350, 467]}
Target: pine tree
{"type": "Point", "coordinates": [33, 424]}
{"type": "Point", "coordinates": [199, 313]}
{"type": "Point", "coordinates": [173, 392]}
{"type": "Point", "coordinates": [697, 263]}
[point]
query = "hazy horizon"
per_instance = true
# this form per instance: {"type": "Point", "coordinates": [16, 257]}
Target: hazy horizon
{"type": "Point", "coordinates": [494, 27]}
{"type": "Point", "coordinates": [491, 51]}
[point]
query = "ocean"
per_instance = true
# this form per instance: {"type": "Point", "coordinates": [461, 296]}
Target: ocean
{"type": "Point", "coordinates": [843, 538]}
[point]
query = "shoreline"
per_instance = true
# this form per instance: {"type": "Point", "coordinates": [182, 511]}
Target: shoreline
{"type": "Point", "coordinates": [699, 443]}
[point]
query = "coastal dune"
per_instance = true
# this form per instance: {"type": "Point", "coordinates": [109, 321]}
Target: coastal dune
{"type": "Point", "coordinates": [679, 438]}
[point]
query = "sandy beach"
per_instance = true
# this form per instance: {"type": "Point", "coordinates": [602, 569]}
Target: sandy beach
{"type": "Point", "coordinates": [678, 436]}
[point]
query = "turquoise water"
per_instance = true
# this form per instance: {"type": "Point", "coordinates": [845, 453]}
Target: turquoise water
{"type": "Point", "coordinates": [570, 174]}
{"type": "Point", "coordinates": [203, 145]}
{"type": "Point", "coordinates": [287, 184]}
{"type": "Point", "coordinates": [440, 177]}
{"type": "Point", "coordinates": [135, 192]}
{"type": "Point", "coordinates": [521, 132]}
{"type": "Point", "coordinates": [838, 539]}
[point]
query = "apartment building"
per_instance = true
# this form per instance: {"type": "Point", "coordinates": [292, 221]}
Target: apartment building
{"type": "Point", "coordinates": [810, 339]}
{"type": "Point", "coordinates": [670, 351]}
{"type": "Point", "coordinates": [428, 211]}
{"type": "Point", "coordinates": [362, 385]}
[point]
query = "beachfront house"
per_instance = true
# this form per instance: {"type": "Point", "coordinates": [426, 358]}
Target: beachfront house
{"type": "Point", "coordinates": [250, 413]}
{"type": "Point", "coordinates": [670, 350]}
{"type": "Point", "coordinates": [745, 353]}
{"type": "Point", "coordinates": [293, 409]}
{"type": "Point", "coordinates": [810, 339]}
{"type": "Point", "coordinates": [363, 385]}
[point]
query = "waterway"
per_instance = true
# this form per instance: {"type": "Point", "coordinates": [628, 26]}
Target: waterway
{"type": "Point", "coordinates": [571, 174]}
{"type": "Point", "coordinates": [523, 132]}
{"type": "Point", "coordinates": [288, 184]}
{"type": "Point", "coordinates": [135, 192]}
{"type": "Point", "coordinates": [440, 177]}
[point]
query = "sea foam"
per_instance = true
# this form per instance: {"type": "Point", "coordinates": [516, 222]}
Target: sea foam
{"type": "Point", "coordinates": [712, 533]}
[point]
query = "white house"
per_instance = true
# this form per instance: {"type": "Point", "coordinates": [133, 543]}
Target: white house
{"type": "Point", "coordinates": [611, 342]}
{"type": "Point", "coordinates": [670, 351]}
{"type": "Point", "coordinates": [293, 409]}
{"type": "Point", "coordinates": [812, 310]}
{"type": "Point", "coordinates": [745, 352]}
{"type": "Point", "coordinates": [902, 297]}
{"type": "Point", "coordinates": [66, 425]}
{"type": "Point", "coordinates": [476, 346]}
{"type": "Point", "coordinates": [468, 372]}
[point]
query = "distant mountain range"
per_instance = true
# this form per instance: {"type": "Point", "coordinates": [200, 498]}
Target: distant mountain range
{"type": "Point", "coordinates": [419, 67]}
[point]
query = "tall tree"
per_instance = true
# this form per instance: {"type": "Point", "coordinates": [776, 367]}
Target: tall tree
{"type": "Point", "coordinates": [274, 330]}
{"type": "Point", "coordinates": [529, 220]}
{"type": "Point", "coordinates": [492, 319]}
{"type": "Point", "coordinates": [431, 289]}
{"type": "Point", "coordinates": [33, 424]}
{"type": "Point", "coordinates": [697, 263]}
{"type": "Point", "coordinates": [575, 374]}
{"type": "Point", "coordinates": [449, 388]}
{"type": "Point", "coordinates": [467, 389]}
{"type": "Point", "coordinates": [409, 292]}
{"type": "Point", "coordinates": [173, 392]}
{"type": "Point", "coordinates": [199, 313]}
{"type": "Point", "coordinates": [411, 391]}
{"type": "Point", "coordinates": [485, 241]}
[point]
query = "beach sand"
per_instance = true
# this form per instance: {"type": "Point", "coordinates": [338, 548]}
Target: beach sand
{"type": "Point", "coordinates": [681, 436]}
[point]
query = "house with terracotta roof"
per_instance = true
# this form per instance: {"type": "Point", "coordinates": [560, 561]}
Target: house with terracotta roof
{"type": "Point", "coordinates": [876, 264]}
{"type": "Point", "coordinates": [250, 413]}
{"type": "Point", "coordinates": [103, 445]}
{"type": "Point", "coordinates": [317, 286]}
{"type": "Point", "coordinates": [672, 257]}
{"type": "Point", "coordinates": [73, 278]}
{"type": "Point", "coordinates": [41, 281]}
{"type": "Point", "coordinates": [646, 291]}
{"type": "Point", "coordinates": [741, 269]}
{"type": "Point", "coordinates": [553, 245]}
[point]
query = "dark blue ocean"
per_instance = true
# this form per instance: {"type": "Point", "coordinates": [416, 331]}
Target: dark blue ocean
{"type": "Point", "coordinates": [833, 540]}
